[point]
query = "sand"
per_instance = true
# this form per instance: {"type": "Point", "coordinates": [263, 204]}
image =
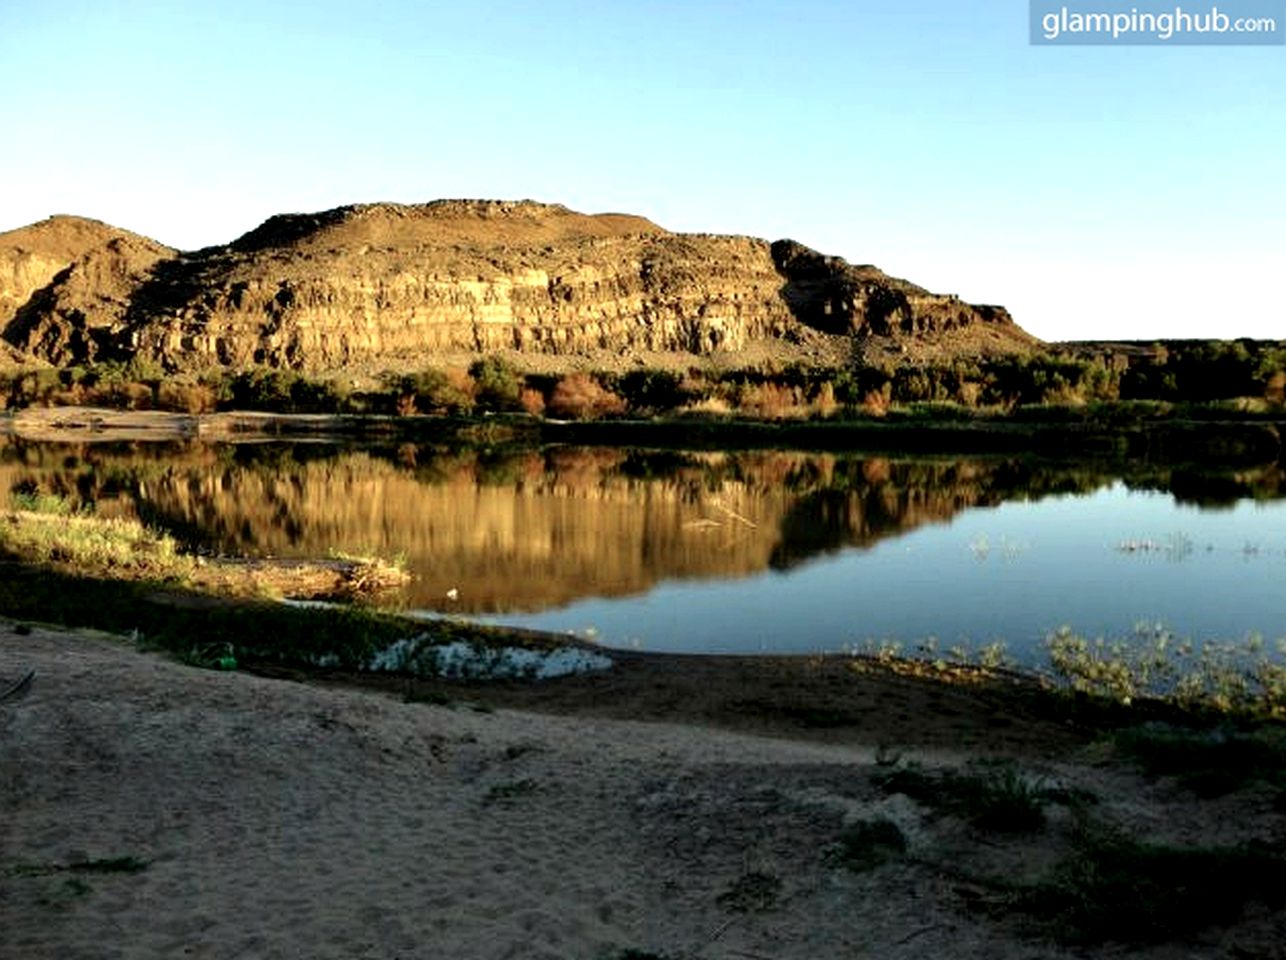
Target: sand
{"type": "Point", "coordinates": [271, 818]}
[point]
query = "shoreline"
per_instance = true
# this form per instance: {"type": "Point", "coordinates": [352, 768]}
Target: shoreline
{"type": "Point", "coordinates": [1229, 440]}
{"type": "Point", "coordinates": [154, 809]}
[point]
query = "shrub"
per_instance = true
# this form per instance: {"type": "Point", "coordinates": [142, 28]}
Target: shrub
{"type": "Point", "coordinates": [432, 391]}
{"type": "Point", "coordinates": [33, 386]}
{"type": "Point", "coordinates": [186, 397]}
{"type": "Point", "coordinates": [532, 401]}
{"type": "Point", "coordinates": [824, 402]}
{"type": "Point", "coordinates": [653, 390]}
{"type": "Point", "coordinates": [499, 385]}
{"type": "Point", "coordinates": [124, 394]}
{"type": "Point", "coordinates": [263, 389]}
{"type": "Point", "coordinates": [992, 795]}
{"type": "Point", "coordinates": [318, 396]}
{"type": "Point", "coordinates": [578, 396]}
{"type": "Point", "coordinates": [773, 401]}
{"type": "Point", "coordinates": [876, 402]}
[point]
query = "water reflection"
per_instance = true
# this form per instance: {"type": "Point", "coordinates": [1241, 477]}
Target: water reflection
{"type": "Point", "coordinates": [504, 531]}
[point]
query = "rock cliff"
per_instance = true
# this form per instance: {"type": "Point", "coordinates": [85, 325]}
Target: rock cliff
{"type": "Point", "coordinates": [386, 282]}
{"type": "Point", "coordinates": [66, 285]}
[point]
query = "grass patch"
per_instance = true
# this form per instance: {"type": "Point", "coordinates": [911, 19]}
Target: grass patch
{"type": "Point", "coordinates": [868, 844]}
{"type": "Point", "coordinates": [119, 549]}
{"type": "Point", "coordinates": [256, 633]}
{"type": "Point", "coordinates": [123, 549]}
{"type": "Point", "coordinates": [34, 501]}
{"type": "Point", "coordinates": [1114, 888]}
{"type": "Point", "coordinates": [991, 795]}
{"type": "Point", "coordinates": [1211, 763]}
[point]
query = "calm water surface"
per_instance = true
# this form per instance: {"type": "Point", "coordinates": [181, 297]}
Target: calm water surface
{"type": "Point", "coordinates": [1101, 562]}
{"type": "Point", "coordinates": [728, 552]}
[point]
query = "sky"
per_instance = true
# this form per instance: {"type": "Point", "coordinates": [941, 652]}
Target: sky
{"type": "Point", "coordinates": [1099, 192]}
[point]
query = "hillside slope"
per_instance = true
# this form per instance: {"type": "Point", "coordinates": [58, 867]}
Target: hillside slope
{"type": "Point", "coordinates": [390, 283]}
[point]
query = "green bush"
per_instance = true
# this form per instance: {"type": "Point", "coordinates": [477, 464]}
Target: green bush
{"type": "Point", "coordinates": [499, 384]}
{"type": "Point", "coordinates": [655, 391]}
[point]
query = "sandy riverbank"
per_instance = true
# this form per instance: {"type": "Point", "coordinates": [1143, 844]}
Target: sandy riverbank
{"type": "Point", "coordinates": [270, 818]}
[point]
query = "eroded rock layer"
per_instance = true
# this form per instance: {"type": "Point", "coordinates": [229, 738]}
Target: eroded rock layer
{"type": "Point", "coordinates": [387, 282]}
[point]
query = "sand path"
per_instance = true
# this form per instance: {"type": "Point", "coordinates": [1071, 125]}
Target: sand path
{"type": "Point", "coordinates": [278, 819]}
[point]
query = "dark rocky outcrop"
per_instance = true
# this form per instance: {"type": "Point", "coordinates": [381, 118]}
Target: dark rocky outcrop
{"type": "Point", "coordinates": [66, 285]}
{"type": "Point", "coordinates": [387, 282]}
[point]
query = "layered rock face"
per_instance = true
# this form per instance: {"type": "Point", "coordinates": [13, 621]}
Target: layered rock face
{"type": "Point", "coordinates": [66, 286]}
{"type": "Point", "coordinates": [387, 282]}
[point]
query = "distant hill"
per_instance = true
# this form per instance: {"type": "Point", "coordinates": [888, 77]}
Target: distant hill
{"type": "Point", "coordinates": [389, 283]}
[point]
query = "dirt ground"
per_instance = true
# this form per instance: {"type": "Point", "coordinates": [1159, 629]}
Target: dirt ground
{"type": "Point", "coordinates": [672, 807]}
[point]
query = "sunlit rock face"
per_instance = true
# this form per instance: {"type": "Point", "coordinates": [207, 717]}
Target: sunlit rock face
{"type": "Point", "coordinates": [66, 285]}
{"type": "Point", "coordinates": [389, 282]}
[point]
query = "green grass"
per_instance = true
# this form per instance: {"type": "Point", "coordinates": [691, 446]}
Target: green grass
{"type": "Point", "coordinates": [1210, 762]}
{"type": "Point", "coordinates": [33, 501]}
{"type": "Point", "coordinates": [123, 547]}
{"type": "Point", "coordinates": [257, 633]}
{"type": "Point", "coordinates": [991, 795]}
{"type": "Point", "coordinates": [1113, 888]}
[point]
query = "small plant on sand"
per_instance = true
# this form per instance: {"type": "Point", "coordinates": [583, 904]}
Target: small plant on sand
{"type": "Point", "coordinates": [999, 797]}
{"type": "Point", "coordinates": [992, 795]}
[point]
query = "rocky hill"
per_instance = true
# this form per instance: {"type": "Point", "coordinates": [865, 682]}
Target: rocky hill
{"type": "Point", "coordinates": [384, 283]}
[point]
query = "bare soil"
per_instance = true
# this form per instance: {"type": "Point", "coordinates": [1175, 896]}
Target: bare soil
{"type": "Point", "coordinates": [673, 808]}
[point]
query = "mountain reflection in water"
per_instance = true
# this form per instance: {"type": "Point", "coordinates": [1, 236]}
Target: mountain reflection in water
{"type": "Point", "coordinates": [528, 530]}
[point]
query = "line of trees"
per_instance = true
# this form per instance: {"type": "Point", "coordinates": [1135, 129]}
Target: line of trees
{"type": "Point", "coordinates": [1169, 373]}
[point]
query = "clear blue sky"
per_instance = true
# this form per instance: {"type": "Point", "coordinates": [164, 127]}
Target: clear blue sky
{"type": "Point", "coordinates": [1096, 191]}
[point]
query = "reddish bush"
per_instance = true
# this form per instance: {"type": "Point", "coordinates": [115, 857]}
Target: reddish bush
{"type": "Point", "coordinates": [532, 401]}
{"type": "Point", "coordinates": [772, 401]}
{"type": "Point", "coordinates": [578, 396]}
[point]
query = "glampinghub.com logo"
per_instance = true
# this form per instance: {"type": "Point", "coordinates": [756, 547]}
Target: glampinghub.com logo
{"type": "Point", "coordinates": [1234, 22]}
